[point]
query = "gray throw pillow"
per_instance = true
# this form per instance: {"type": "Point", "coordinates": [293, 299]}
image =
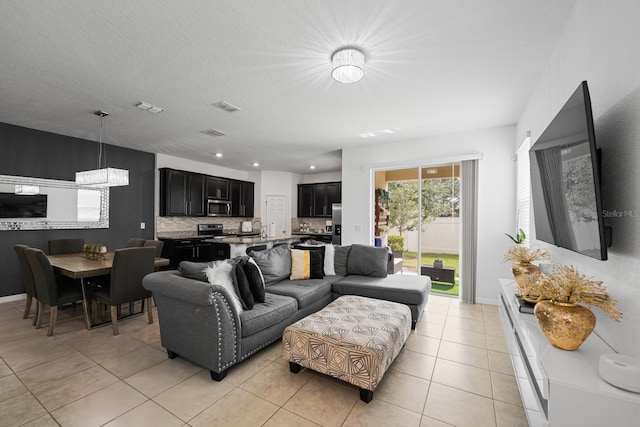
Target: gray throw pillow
{"type": "Point", "coordinates": [340, 259]}
{"type": "Point", "coordinates": [194, 270]}
{"type": "Point", "coordinates": [274, 263]}
{"type": "Point", "coordinates": [368, 261]}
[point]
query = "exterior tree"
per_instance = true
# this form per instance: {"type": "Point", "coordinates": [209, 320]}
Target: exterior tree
{"type": "Point", "coordinates": [403, 205]}
{"type": "Point", "coordinates": [439, 198]}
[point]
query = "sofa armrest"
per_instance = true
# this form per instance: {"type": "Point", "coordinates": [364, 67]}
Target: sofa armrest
{"type": "Point", "coordinates": [197, 320]}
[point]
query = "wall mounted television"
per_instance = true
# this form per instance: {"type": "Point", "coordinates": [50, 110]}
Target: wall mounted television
{"type": "Point", "coordinates": [23, 206]}
{"type": "Point", "coordinates": [565, 181]}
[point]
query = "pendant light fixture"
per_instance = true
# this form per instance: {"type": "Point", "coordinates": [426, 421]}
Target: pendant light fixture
{"type": "Point", "coordinates": [102, 176]}
{"type": "Point", "coordinates": [347, 65]}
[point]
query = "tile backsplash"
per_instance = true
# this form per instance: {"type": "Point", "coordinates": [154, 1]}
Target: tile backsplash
{"type": "Point", "coordinates": [316, 225]}
{"type": "Point", "coordinates": [172, 224]}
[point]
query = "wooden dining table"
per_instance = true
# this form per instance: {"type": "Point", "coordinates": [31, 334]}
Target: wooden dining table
{"type": "Point", "coordinates": [78, 266]}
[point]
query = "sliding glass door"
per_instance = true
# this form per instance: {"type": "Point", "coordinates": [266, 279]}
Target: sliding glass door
{"type": "Point", "coordinates": [417, 216]}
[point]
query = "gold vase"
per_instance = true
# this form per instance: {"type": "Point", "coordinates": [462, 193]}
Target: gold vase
{"type": "Point", "coordinates": [522, 272]}
{"type": "Point", "coordinates": [565, 325]}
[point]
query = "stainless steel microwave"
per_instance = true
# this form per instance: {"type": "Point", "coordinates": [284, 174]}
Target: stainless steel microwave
{"type": "Point", "coordinates": [218, 207]}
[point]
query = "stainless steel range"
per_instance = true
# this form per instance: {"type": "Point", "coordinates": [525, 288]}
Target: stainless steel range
{"type": "Point", "coordinates": [212, 230]}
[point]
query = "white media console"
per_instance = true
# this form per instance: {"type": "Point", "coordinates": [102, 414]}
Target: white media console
{"type": "Point", "coordinates": [561, 388]}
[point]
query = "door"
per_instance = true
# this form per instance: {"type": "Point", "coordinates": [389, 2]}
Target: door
{"type": "Point", "coordinates": [305, 201]}
{"type": "Point", "coordinates": [319, 200]}
{"type": "Point", "coordinates": [196, 195]}
{"type": "Point", "coordinates": [175, 191]}
{"type": "Point", "coordinates": [277, 214]}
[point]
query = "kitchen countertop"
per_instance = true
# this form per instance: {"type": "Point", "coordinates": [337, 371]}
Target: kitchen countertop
{"type": "Point", "coordinates": [311, 233]}
{"type": "Point", "coordinates": [194, 235]}
{"type": "Point", "coordinates": [255, 239]}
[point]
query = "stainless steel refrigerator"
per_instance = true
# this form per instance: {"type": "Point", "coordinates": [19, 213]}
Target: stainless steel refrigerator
{"type": "Point", "coordinates": [336, 221]}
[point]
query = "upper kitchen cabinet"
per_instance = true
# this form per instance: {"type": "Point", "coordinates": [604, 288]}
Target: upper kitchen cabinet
{"type": "Point", "coordinates": [242, 194]}
{"type": "Point", "coordinates": [181, 193]}
{"type": "Point", "coordinates": [217, 188]}
{"type": "Point", "coordinates": [305, 201]}
{"type": "Point", "coordinates": [316, 200]}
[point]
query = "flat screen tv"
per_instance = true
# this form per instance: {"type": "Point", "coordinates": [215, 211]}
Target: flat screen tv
{"type": "Point", "coordinates": [565, 180]}
{"type": "Point", "coordinates": [23, 206]}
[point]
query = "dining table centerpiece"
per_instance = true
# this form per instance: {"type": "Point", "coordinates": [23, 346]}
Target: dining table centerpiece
{"type": "Point", "coordinates": [94, 251]}
{"type": "Point", "coordinates": [565, 322]}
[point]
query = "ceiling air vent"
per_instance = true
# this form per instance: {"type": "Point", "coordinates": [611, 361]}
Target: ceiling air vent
{"type": "Point", "coordinates": [213, 132]}
{"type": "Point", "coordinates": [226, 107]}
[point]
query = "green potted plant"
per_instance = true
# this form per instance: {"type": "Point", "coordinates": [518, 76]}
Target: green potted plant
{"type": "Point", "coordinates": [396, 243]}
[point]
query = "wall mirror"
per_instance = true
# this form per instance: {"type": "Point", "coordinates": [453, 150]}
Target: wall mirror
{"type": "Point", "coordinates": [60, 205]}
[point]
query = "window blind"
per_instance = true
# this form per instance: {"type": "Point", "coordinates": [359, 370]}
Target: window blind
{"type": "Point", "coordinates": [523, 190]}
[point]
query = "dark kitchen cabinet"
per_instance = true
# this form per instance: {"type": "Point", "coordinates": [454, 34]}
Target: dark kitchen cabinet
{"type": "Point", "coordinates": [305, 201]}
{"type": "Point", "coordinates": [316, 200]}
{"type": "Point", "coordinates": [181, 193]}
{"type": "Point", "coordinates": [217, 188]}
{"type": "Point", "coordinates": [196, 250]}
{"type": "Point", "coordinates": [242, 194]}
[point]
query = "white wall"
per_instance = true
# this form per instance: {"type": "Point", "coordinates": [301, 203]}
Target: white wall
{"type": "Point", "coordinates": [496, 191]}
{"type": "Point", "coordinates": [599, 44]}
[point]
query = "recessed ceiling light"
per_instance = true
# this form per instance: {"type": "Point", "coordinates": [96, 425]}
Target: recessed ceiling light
{"type": "Point", "coordinates": [312, 167]}
{"type": "Point", "coordinates": [218, 154]}
{"type": "Point", "coordinates": [255, 164]}
{"type": "Point", "coordinates": [149, 107]}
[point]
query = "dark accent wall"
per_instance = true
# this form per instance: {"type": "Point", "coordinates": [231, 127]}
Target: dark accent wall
{"type": "Point", "coordinates": [29, 152]}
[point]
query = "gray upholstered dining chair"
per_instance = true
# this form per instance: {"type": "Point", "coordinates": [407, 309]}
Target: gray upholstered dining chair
{"type": "Point", "coordinates": [50, 291]}
{"type": "Point", "coordinates": [158, 244]}
{"type": "Point", "coordinates": [27, 279]}
{"type": "Point", "coordinates": [134, 242]}
{"type": "Point", "coordinates": [130, 265]}
{"type": "Point", "coordinates": [66, 246]}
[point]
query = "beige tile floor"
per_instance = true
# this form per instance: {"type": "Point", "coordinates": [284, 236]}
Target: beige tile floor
{"type": "Point", "coordinates": [454, 370]}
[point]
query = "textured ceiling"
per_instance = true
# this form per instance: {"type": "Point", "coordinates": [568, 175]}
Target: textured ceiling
{"type": "Point", "coordinates": [432, 67]}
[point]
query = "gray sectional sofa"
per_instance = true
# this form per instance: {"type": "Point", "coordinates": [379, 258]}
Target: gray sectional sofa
{"type": "Point", "coordinates": [199, 321]}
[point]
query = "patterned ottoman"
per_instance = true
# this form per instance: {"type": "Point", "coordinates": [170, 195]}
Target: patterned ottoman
{"type": "Point", "coordinates": [354, 339]}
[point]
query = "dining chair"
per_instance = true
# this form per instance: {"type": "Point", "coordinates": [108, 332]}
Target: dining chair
{"type": "Point", "coordinates": [50, 291]}
{"type": "Point", "coordinates": [158, 244]}
{"type": "Point", "coordinates": [65, 246]}
{"type": "Point", "coordinates": [27, 279]}
{"type": "Point", "coordinates": [135, 242]}
{"type": "Point", "coordinates": [130, 265]}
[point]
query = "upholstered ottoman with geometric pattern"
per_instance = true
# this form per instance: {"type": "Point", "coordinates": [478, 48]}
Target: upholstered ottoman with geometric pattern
{"type": "Point", "coordinates": [354, 339]}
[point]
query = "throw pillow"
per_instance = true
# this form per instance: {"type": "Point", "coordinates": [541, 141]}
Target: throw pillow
{"type": "Point", "coordinates": [329, 254]}
{"type": "Point", "coordinates": [256, 282]}
{"type": "Point", "coordinates": [368, 261]}
{"type": "Point", "coordinates": [274, 263]}
{"type": "Point", "coordinates": [244, 290]}
{"type": "Point", "coordinates": [305, 264]}
{"type": "Point", "coordinates": [341, 256]}
{"type": "Point", "coordinates": [318, 248]}
{"type": "Point", "coordinates": [219, 273]}
{"type": "Point", "coordinates": [193, 270]}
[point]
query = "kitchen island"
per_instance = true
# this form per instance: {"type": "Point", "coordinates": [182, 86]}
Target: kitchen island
{"type": "Point", "coordinates": [238, 245]}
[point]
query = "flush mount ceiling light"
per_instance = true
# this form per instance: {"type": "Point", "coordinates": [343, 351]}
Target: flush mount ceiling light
{"type": "Point", "coordinates": [148, 107]}
{"type": "Point", "coordinates": [255, 164]}
{"type": "Point", "coordinates": [312, 166]}
{"type": "Point", "coordinates": [347, 65]}
{"type": "Point", "coordinates": [218, 155]}
{"type": "Point", "coordinates": [102, 176]}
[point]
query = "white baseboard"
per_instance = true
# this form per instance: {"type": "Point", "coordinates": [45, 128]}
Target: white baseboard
{"type": "Point", "coordinates": [11, 298]}
{"type": "Point", "coordinates": [487, 301]}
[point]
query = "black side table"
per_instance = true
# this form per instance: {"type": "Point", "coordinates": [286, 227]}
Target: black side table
{"type": "Point", "coordinates": [444, 274]}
